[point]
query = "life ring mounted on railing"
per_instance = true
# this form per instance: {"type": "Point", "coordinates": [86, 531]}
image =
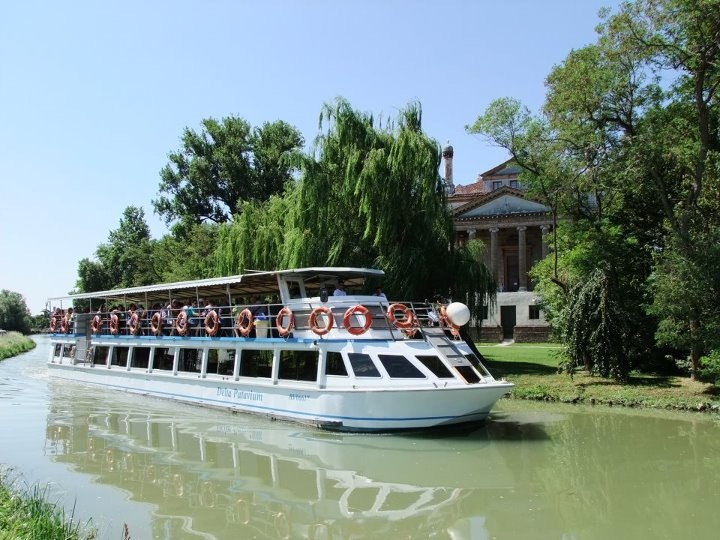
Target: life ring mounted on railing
{"type": "Point", "coordinates": [211, 323]}
{"type": "Point", "coordinates": [244, 322]}
{"type": "Point", "coordinates": [407, 319]}
{"type": "Point", "coordinates": [96, 324]}
{"type": "Point", "coordinates": [357, 310]}
{"type": "Point", "coordinates": [53, 323]}
{"type": "Point", "coordinates": [181, 323]}
{"type": "Point", "coordinates": [134, 323]}
{"type": "Point", "coordinates": [313, 320]}
{"type": "Point", "coordinates": [114, 323]}
{"type": "Point", "coordinates": [64, 325]}
{"type": "Point", "coordinates": [444, 319]}
{"type": "Point", "coordinates": [284, 330]}
{"type": "Point", "coordinates": [156, 323]}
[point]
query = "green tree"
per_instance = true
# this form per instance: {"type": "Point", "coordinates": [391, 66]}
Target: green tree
{"type": "Point", "coordinates": [126, 260]}
{"type": "Point", "coordinates": [225, 164]}
{"type": "Point", "coordinates": [369, 195]}
{"type": "Point", "coordinates": [14, 314]}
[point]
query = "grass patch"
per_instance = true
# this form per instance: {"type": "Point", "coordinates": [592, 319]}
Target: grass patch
{"type": "Point", "coordinates": [534, 370]}
{"type": "Point", "coordinates": [28, 514]}
{"type": "Point", "coordinates": [14, 343]}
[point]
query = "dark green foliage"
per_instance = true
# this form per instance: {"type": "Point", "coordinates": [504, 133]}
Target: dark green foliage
{"type": "Point", "coordinates": [596, 327]}
{"type": "Point", "coordinates": [126, 260]}
{"type": "Point", "coordinates": [14, 314]}
{"type": "Point", "coordinates": [224, 165]}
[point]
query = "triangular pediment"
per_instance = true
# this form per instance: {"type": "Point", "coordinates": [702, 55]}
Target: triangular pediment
{"type": "Point", "coordinates": [503, 202]}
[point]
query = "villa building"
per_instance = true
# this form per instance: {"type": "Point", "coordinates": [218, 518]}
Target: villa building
{"type": "Point", "coordinates": [515, 228]}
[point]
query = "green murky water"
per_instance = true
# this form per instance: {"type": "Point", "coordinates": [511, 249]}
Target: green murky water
{"type": "Point", "coordinates": [534, 471]}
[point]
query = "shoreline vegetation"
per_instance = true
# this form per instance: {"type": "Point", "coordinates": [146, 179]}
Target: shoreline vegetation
{"type": "Point", "coordinates": [14, 343]}
{"type": "Point", "coordinates": [533, 368]}
{"type": "Point", "coordinates": [27, 513]}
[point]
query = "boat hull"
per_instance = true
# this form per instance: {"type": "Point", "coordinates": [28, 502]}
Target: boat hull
{"type": "Point", "coordinates": [381, 409]}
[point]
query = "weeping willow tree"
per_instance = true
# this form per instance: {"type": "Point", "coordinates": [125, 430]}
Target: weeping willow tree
{"type": "Point", "coordinates": [369, 195]}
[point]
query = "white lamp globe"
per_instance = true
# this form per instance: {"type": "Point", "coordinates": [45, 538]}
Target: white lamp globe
{"type": "Point", "coordinates": [458, 313]}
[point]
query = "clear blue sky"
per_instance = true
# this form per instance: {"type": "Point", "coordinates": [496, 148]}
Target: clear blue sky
{"type": "Point", "coordinates": [94, 95]}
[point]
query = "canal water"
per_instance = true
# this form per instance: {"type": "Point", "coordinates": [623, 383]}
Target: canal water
{"type": "Point", "coordinates": [534, 471]}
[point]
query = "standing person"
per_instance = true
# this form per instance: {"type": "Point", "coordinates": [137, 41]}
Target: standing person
{"type": "Point", "coordinates": [340, 289]}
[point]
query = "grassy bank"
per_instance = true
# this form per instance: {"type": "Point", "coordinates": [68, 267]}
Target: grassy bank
{"type": "Point", "coordinates": [14, 343]}
{"type": "Point", "coordinates": [533, 369]}
{"type": "Point", "coordinates": [28, 514]}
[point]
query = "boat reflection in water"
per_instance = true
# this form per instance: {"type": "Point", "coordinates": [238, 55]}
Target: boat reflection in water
{"type": "Point", "coordinates": [215, 475]}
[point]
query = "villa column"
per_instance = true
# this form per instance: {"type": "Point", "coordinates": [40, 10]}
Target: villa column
{"type": "Point", "coordinates": [493, 251]}
{"type": "Point", "coordinates": [471, 234]}
{"type": "Point", "coordinates": [545, 229]}
{"type": "Point", "coordinates": [522, 263]}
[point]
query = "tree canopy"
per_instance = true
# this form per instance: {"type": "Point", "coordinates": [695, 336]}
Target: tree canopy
{"type": "Point", "coordinates": [14, 314]}
{"type": "Point", "coordinates": [225, 164]}
{"type": "Point", "coordinates": [626, 148]}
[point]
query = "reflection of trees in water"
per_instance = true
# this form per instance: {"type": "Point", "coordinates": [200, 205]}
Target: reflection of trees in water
{"type": "Point", "coordinates": [616, 471]}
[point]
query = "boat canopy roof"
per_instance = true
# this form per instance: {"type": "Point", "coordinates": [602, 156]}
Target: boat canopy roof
{"type": "Point", "coordinates": [255, 283]}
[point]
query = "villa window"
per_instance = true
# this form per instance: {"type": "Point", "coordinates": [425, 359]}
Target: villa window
{"type": "Point", "coordinates": [534, 312]}
{"type": "Point", "coordinates": [514, 184]}
{"type": "Point", "coordinates": [497, 184]}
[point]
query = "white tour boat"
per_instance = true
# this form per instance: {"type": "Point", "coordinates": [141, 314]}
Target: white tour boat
{"type": "Point", "coordinates": [341, 361]}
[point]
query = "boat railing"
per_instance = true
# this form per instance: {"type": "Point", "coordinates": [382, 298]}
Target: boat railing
{"type": "Point", "coordinates": [359, 317]}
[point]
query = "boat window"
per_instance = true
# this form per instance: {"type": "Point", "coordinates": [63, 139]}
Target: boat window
{"type": "Point", "coordinates": [68, 350]}
{"type": "Point", "coordinates": [256, 363]}
{"type": "Point", "coordinates": [399, 367]}
{"type": "Point", "coordinates": [163, 358]}
{"type": "Point", "coordinates": [221, 361]}
{"type": "Point", "coordinates": [475, 361]}
{"type": "Point", "coordinates": [190, 360]}
{"type": "Point", "coordinates": [100, 356]}
{"type": "Point", "coordinates": [141, 357]}
{"type": "Point", "coordinates": [435, 365]}
{"type": "Point", "coordinates": [334, 364]}
{"type": "Point", "coordinates": [362, 365]}
{"type": "Point", "coordinates": [119, 356]}
{"type": "Point", "coordinates": [58, 350]}
{"type": "Point", "coordinates": [468, 374]}
{"type": "Point", "coordinates": [298, 365]}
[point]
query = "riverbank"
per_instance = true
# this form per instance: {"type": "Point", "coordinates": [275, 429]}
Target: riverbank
{"type": "Point", "coordinates": [533, 370]}
{"type": "Point", "coordinates": [14, 343]}
{"type": "Point", "coordinates": [28, 514]}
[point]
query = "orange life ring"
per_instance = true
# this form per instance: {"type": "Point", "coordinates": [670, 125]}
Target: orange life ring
{"type": "Point", "coordinates": [156, 323]}
{"type": "Point", "coordinates": [53, 323]}
{"type": "Point", "coordinates": [408, 317]}
{"type": "Point", "coordinates": [96, 324]}
{"type": "Point", "coordinates": [285, 330]}
{"type": "Point", "coordinates": [64, 325]}
{"type": "Point", "coordinates": [211, 317]}
{"type": "Point", "coordinates": [454, 329]}
{"type": "Point", "coordinates": [313, 320]}
{"type": "Point", "coordinates": [247, 318]}
{"type": "Point", "coordinates": [181, 323]}
{"type": "Point", "coordinates": [134, 323]}
{"type": "Point", "coordinates": [114, 323]}
{"type": "Point", "coordinates": [357, 310]}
